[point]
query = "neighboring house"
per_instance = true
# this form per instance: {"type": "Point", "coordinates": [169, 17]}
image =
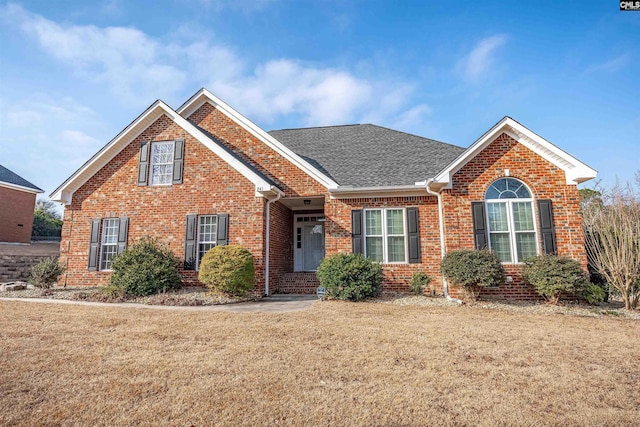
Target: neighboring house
{"type": "Point", "coordinates": [205, 175]}
{"type": "Point", "coordinates": [17, 202]}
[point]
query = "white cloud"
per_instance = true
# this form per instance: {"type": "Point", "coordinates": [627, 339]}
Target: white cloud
{"type": "Point", "coordinates": [610, 66]}
{"type": "Point", "coordinates": [138, 68]}
{"type": "Point", "coordinates": [477, 63]}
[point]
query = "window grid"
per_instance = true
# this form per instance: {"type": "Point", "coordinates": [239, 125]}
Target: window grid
{"type": "Point", "coordinates": [162, 163]}
{"type": "Point", "coordinates": [511, 221]}
{"type": "Point", "coordinates": [109, 244]}
{"type": "Point", "coordinates": [385, 235]}
{"type": "Point", "coordinates": [207, 235]}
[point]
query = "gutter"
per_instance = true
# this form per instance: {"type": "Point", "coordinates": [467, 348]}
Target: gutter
{"type": "Point", "coordinates": [279, 195]}
{"type": "Point", "coordinates": [443, 251]}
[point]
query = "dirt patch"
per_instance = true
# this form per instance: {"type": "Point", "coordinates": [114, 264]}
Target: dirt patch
{"type": "Point", "coordinates": [36, 249]}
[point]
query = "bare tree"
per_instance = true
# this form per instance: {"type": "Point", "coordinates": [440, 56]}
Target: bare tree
{"type": "Point", "coordinates": [612, 233]}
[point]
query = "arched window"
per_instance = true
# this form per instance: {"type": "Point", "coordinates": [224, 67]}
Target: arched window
{"type": "Point", "coordinates": [510, 220]}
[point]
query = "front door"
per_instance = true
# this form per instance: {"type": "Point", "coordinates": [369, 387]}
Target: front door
{"type": "Point", "coordinates": [309, 245]}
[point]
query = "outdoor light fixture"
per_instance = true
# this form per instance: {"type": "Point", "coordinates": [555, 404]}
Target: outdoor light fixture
{"type": "Point", "coordinates": [307, 202]}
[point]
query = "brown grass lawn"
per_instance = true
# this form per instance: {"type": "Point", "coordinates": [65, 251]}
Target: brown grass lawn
{"type": "Point", "coordinates": [336, 364]}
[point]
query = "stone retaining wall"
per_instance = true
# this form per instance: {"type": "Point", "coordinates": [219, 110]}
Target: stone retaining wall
{"type": "Point", "coordinates": [17, 267]}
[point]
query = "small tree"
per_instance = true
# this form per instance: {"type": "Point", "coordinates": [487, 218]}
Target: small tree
{"type": "Point", "coordinates": [145, 268]}
{"type": "Point", "coordinates": [350, 277]}
{"type": "Point", "coordinates": [472, 270]}
{"type": "Point", "coordinates": [46, 273]}
{"type": "Point", "coordinates": [612, 236]}
{"type": "Point", "coordinates": [551, 275]}
{"type": "Point", "coordinates": [419, 281]}
{"type": "Point", "coordinates": [228, 269]}
{"type": "Point", "coordinates": [46, 220]}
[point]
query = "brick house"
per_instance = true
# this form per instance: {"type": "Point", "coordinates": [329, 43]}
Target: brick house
{"type": "Point", "coordinates": [205, 175]}
{"type": "Point", "coordinates": [17, 202]}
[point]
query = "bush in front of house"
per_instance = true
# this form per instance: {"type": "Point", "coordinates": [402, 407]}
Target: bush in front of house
{"type": "Point", "coordinates": [350, 277]}
{"type": "Point", "coordinates": [145, 268]}
{"type": "Point", "coordinates": [46, 273]}
{"type": "Point", "coordinates": [472, 270]}
{"type": "Point", "coordinates": [593, 293]}
{"type": "Point", "coordinates": [419, 281]}
{"type": "Point", "coordinates": [551, 275]}
{"type": "Point", "coordinates": [228, 269]}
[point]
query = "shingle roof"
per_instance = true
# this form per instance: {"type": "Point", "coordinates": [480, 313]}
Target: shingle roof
{"type": "Point", "coordinates": [12, 178]}
{"type": "Point", "coordinates": [369, 155]}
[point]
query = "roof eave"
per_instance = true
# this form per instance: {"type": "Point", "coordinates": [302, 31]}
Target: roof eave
{"type": "Point", "coordinates": [343, 192]}
{"type": "Point", "coordinates": [21, 187]}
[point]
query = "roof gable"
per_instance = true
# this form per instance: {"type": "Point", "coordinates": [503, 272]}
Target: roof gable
{"type": "Point", "coordinates": [575, 171]}
{"type": "Point", "coordinates": [64, 192]}
{"type": "Point", "coordinates": [14, 181]}
{"type": "Point", "coordinates": [203, 95]}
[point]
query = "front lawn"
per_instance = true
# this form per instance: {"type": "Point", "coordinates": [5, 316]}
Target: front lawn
{"type": "Point", "coordinates": [335, 364]}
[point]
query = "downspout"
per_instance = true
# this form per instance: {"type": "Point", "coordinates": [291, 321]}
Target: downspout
{"type": "Point", "coordinates": [445, 284]}
{"type": "Point", "coordinates": [268, 232]}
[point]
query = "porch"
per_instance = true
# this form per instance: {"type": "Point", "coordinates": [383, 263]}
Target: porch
{"type": "Point", "coordinates": [297, 244]}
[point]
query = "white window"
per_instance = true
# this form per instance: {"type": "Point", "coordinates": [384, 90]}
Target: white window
{"type": "Point", "coordinates": [162, 163]}
{"type": "Point", "coordinates": [385, 235]}
{"type": "Point", "coordinates": [207, 235]}
{"type": "Point", "coordinates": [109, 242]}
{"type": "Point", "coordinates": [510, 220]}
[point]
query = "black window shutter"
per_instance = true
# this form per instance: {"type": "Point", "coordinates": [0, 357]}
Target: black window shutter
{"type": "Point", "coordinates": [547, 229]}
{"type": "Point", "coordinates": [123, 231]}
{"type": "Point", "coordinates": [222, 238]}
{"type": "Point", "coordinates": [178, 160]}
{"type": "Point", "coordinates": [414, 235]}
{"type": "Point", "coordinates": [190, 243]}
{"type": "Point", "coordinates": [94, 245]}
{"type": "Point", "coordinates": [143, 163]}
{"type": "Point", "coordinates": [356, 232]}
{"type": "Point", "coordinates": [479, 225]}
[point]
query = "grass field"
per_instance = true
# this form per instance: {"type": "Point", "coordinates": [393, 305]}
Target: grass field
{"type": "Point", "coordinates": [336, 364]}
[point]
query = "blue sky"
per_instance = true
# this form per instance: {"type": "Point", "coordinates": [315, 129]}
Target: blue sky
{"type": "Point", "coordinates": [75, 73]}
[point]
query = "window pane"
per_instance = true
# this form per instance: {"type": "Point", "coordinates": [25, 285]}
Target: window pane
{"type": "Point", "coordinates": [161, 163]}
{"type": "Point", "coordinates": [396, 249]}
{"type": "Point", "coordinates": [522, 216]}
{"type": "Point", "coordinates": [207, 229]}
{"type": "Point", "coordinates": [526, 245]}
{"type": "Point", "coordinates": [374, 248]}
{"type": "Point", "coordinates": [497, 214]}
{"type": "Point", "coordinates": [107, 256]}
{"type": "Point", "coordinates": [395, 221]}
{"type": "Point", "coordinates": [373, 223]}
{"type": "Point", "coordinates": [523, 192]}
{"type": "Point", "coordinates": [492, 193]}
{"type": "Point", "coordinates": [202, 250]}
{"type": "Point", "coordinates": [501, 246]}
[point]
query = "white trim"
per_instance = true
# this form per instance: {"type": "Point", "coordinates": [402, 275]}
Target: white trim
{"type": "Point", "coordinates": [348, 192]}
{"type": "Point", "coordinates": [575, 171]}
{"type": "Point", "coordinates": [64, 192]}
{"type": "Point", "coordinates": [203, 96]}
{"type": "Point", "coordinates": [20, 188]}
{"type": "Point", "coordinates": [385, 249]}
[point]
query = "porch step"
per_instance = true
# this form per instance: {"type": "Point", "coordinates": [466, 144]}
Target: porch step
{"type": "Point", "coordinates": [298, 283]}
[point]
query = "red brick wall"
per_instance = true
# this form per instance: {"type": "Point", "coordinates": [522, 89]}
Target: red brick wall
{"type": "Point", "coordinates": [289, 178]}
{"type": "Point", "coordinates": [396, 276]}
{"type": "Point", "coordinates": [280, 244]}
{"type": "Point", "coordinates": [545, 180]}
{"type": "Point", "coordinates": [16, 215]}
{"type": "Point", "coordinates": [209, 186]}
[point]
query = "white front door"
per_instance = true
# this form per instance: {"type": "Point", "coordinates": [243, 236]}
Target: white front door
{"type": "Point", "coordinates": [309, 245]}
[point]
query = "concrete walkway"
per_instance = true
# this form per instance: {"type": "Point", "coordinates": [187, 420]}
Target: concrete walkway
{"type": "Point", "coordinates": [271, 304]}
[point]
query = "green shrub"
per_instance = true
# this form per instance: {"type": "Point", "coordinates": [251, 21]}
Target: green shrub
{"type": "Point", "coordinates": [593, 293]}
{"type": "Point", "coordinates": [228, 269]}
{"type": "Point", "coordinates": [145, 268]}
{"type": "Point", "coordinates": [45, 273]}
{"type": "Point", "coordinates": [551, 275]}
{"type": "Point", "coordinates": [419, 281]}
{"type": "Point", "coordinates": [350, 277]}
{"type": "Point", "coordinates": [472, 270]}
